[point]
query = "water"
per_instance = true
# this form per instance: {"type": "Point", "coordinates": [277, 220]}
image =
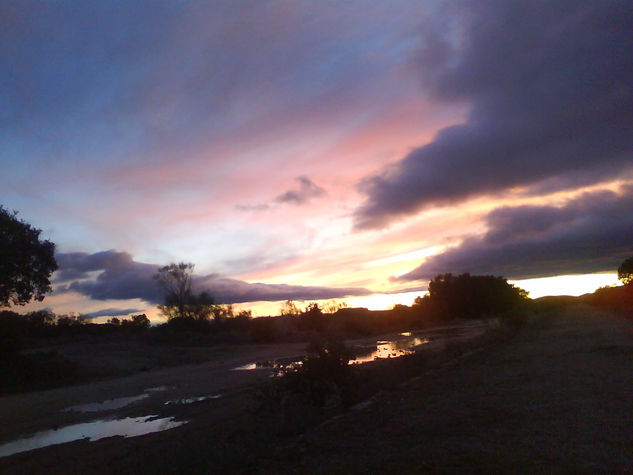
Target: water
{"type": "Point", "coordinates": [107, 405]}
{"type": "Point", "coordinates": [127, 427]}
{"type": "Point", "coordinates": [191, 400]}
{"type": "Point", "coordinates": [383, 349]}
{"type": "Point", "coordinates": [117, 403]}
{"type": "Point", "coordinates": [248, 367]}
{"type": "Point", "coordinates": [404, 344]}
{"type": "Point", "coordinates": [390, 349]}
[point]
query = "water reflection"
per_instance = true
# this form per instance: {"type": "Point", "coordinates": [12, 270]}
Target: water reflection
{"type": "Point", "coordinates": [248, 367]}
{"type": "Point", "coordinates": [278, 364]}
{"type": "Point", "coordinates": [106, 405]}
{"type": "Point", "coordinates": [127, 427]}
{"type": "Point", "coordinates": [191, 400]}
{"type": "Point", "coordinates": [390, 349]}
{"type": "Point", "coordinates": [382, 349]}
{"type": "Point", "coordinates": [156, 389]}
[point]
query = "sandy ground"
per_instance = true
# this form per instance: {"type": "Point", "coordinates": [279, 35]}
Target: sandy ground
{"type": "Point", "coordinates": [559, 400]}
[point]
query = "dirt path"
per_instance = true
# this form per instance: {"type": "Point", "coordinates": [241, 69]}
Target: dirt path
{"type": "Point", "coordinates": [24, 414]}
{"type": "Point", "coordinates": [556, 400]}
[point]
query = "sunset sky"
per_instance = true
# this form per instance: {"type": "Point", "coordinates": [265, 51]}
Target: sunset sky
{"type": "Point", "coordinates": [346, 150]}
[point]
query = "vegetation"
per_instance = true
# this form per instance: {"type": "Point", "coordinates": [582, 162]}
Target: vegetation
{"type": "Point", "coordinates": [175, 280]}
{"type": "Point", "coordinates": [323, 373]}
{"type": "Point", "coordinates": [26, 261]}
{"type": "Point", "coordinates": [182, 307]}
{"type": "Point", "coordinates": [473, 296]}
{"type": "Point", "coordinates": [625, 271]}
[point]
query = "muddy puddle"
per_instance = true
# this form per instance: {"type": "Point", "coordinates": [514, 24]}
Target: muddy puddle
{"type": "Point", "coordinates": [404, 344]}
{"type": "Point", "coordinates": [107, 405]}
{"type": "Point", "coordinates": [117, 403]}
{"type": "Point", "coordinates": [191, 400]}
{"type": "Point", "coordinates": [389, 349]}
{"type": "Point", "coordinates": [91, 431]}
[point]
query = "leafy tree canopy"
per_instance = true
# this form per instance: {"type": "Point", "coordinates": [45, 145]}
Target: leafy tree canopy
{"type": "Point", "coordinates": [473, 296]}
{"type": "Point", "coordinates": [180, 301]}
{"type": "Point", "coordinates": [26, 261]}
{"type": "Point", "coordinates": [625, 271]}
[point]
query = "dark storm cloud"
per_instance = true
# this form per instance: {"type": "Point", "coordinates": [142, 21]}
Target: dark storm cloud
{"type": "Point", "coordinates": [78, 265]}
{"type": "Point", "coordinates": [589, 234]}
{"type": "Point", "coordinates": [122, 278]}
{"type": "Point", "coordinates": [112, 312]}
{"type": "Point", "coordinates": [549, 84]}
{"type": "Point", "coordinates": [306, 191]}
{"type": "Point", "coordinates": [236, 291]}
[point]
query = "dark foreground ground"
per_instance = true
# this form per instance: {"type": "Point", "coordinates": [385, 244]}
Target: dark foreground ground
{"type": "Point", "coordinates": [555, 398]}
{"type": "Point", "coordinates": [559, 400]}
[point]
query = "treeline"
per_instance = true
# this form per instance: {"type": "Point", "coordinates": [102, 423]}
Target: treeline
{"type": "Point", "coordinates": [450, 297]}
{"type": "Point", "coordinates": [15, 327]}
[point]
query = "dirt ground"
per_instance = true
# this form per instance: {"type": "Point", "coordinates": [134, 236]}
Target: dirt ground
{"type": "Point", "coordinates": [553, 399]}
{"type": "Point", "coordinates": [556, 400]}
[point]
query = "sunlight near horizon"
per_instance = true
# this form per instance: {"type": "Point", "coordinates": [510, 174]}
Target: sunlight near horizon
{"type": "Point", "coordinates": [573, 285]}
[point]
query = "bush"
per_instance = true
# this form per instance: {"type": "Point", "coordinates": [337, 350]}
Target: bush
{"type": "Point", "coordinates": [323, 374]}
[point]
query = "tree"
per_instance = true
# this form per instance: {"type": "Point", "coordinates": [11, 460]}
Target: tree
{"type": "Point", "coordinates": [625, 271]}
{"type": "Point", "coordinates": [26, 261]}
{"type": "Point", "coordinates": [180, 302]}
{"type": "Point", "coordinates": [473, 296]}
{"type": "Point", "coordinates": [289, 308]}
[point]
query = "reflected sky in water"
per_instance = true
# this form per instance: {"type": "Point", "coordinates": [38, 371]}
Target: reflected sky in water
{"type": "Point", "coordinates": [127, 427]}
{"type": "Point", "coordinates": [107, 405]}
{"type": "Point", "coordinates": [390, 349]}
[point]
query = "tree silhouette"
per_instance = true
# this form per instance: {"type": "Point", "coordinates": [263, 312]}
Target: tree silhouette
{"type": "Point", "coordinates": [175, 280]}
{"type": "Point", "coordinates": [625, 271]}
{"type": "Point", "coordinates": [473, 296]}
{"type": "Point", "coordinates": [26, 262]}
{"type": "Point", "coordinates": [180, 302]}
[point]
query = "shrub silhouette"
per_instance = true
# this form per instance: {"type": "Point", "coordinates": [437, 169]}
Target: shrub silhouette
{"type": "Point", "coordinates": [324, 373]}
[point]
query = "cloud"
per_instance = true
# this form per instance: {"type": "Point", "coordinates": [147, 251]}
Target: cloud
{"type": "Point", "coordinates": [236, 291]}
{"type": "Point", "coordinates": [258, 207]}
{"type": "Point", "coordinates": [120, 276]}
{"type": "Point", "coordinates": [112, 312]}
{"type": "Point", "coordinates": [123, 278]}
{"type": "Point", "coordinates": [591, 233]}
{"type": "Point", "coordinates": [306, 191]}
{"type": "Point", "coordinates": [78, 265]}
{"type": "Point", "coordinates": [549, 85]}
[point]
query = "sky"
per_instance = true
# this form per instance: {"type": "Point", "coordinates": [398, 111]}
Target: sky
{"type": "Point", "coordinates": [314, 151]}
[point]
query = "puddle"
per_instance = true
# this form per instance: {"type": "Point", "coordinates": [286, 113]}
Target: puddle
{"type": "Point", "coordinates": [156, 389]}
{"type": "Point", "coordinates": [248, 367]}
{"type": "Point", "coordinates": [405, 344]}
{"type": "Point", "coordinates": [117, 403]}
{"type": "Point", "coordinates": [191, 400]}
{"type": "Point", "coordinates": [390, 349]}
{"type": "Point", "coordinates": [127, 427]}
{"type": "Point", "coordinates": [107, 405]}
{"type": "Point", "coordinates": [382, 349]}
{"type": "Point", "coordinates": [277, 365]}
